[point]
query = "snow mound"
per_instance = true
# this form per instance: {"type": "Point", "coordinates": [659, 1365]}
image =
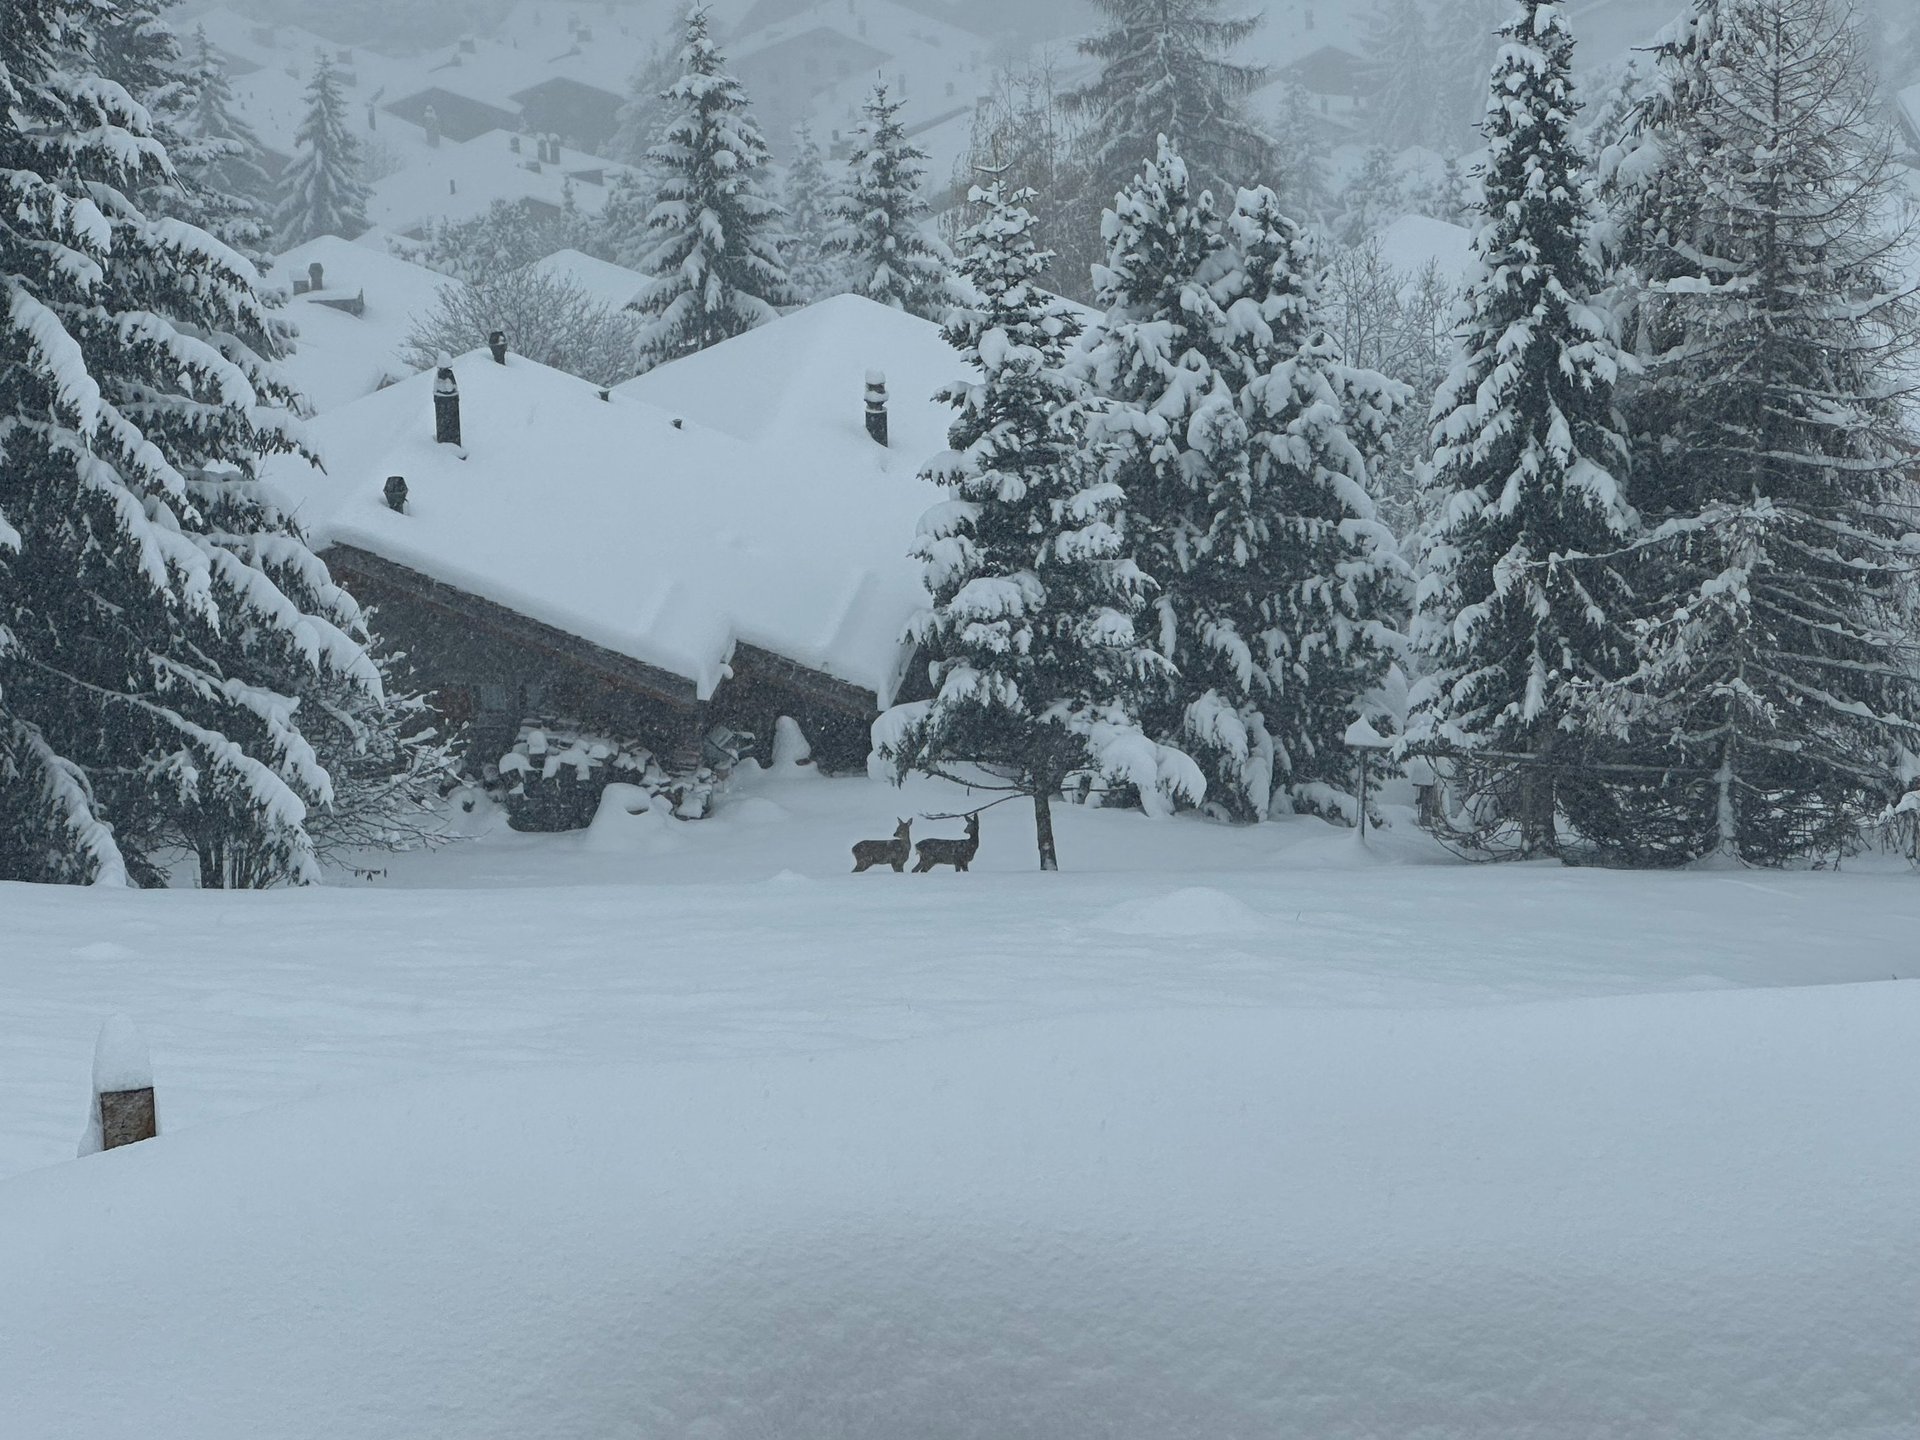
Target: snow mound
{"type": "Point", "coordinates": [630, 819]}
{"type": "Point", "coordinates": [1195, 910]}
{"type": "Point", "coordinates": [1677, 1216]}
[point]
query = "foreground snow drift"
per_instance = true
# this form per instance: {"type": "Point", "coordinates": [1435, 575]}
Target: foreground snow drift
{"type": "Point", "coordinates": [1680, 1215]}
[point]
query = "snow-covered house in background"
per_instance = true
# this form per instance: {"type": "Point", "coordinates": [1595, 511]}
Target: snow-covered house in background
{"type": "Point", "coordinates": [715, 545]}
{"type": "Point", "coordinates": [352, 327]}
{"type": "Point", "coordinates": [614, 286]}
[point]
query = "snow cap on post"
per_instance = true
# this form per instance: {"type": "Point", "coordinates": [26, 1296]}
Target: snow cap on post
{"type": "Point", "coordinates": [123, 1110]}
{"type": "Point", "coordinates": [877, 406]}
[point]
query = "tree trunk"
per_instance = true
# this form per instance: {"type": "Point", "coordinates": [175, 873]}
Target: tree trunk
{"type": "Point", "coordinates": [1043, 828]}
{"type": "Point", "coordinates": [1538, 801]}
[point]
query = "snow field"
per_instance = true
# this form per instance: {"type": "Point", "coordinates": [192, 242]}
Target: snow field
{"type": "Point", "coordinates": [1649, 1216]}
{"type": "Point", "coordinates": [682, 1130]}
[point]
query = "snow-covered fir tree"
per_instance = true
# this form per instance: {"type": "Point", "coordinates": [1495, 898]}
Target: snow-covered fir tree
{"type": "Point", "coordinates": [1778, 665]}
{"type": "Point", "coordinates": [1519, 604]}
{"type": "Point", "coordinates": [150, 597]}
{"type": "Point", "coordinates": [1167, 435]}
{"type": "Point", "coordinates": [1242, 445]}
{"type": "Point", "coordinates": [1405, 106]}
{"type": "Point", "coordinates": [1167, 67]}
{"type": "Point", "coordinates": [881, 238]}
{"type": "Point", "coordinates": [234, 162]}
{"type": "Point", "coordinates": [1375, 196]}
{"type": "Point", "coordinates": [812, 203]}
{"type": "Point", "coordinates": [1296, 587]}
{"type": "Point", "coordinates": [1300, 144]}
{"type": "Point", "coordinates": [1466, 42]}
{"type": "Point", "coordinates": [715, 258]}
{"type": "Point", "coordinates": [321, 191]}
{"type": "Point", "coordinates": [1031, 637]}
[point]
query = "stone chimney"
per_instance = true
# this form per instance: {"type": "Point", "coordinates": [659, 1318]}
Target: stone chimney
{"type": "Point", "coordinates": [316, 276]}
{"type": "Point", "coordinates": [396, 493]}
{"type": "Point", "coordinates": [497, 343]}
{"type": "Point", "coordinates": [446, 405]}
{"type": "Point", "coordinates": [877, 406]}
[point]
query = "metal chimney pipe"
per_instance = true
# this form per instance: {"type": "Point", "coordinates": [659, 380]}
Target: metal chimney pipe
{"type": "Point", "coordinates": [446, 407]}
{"type": "Point", "coordinates": [877, 406]}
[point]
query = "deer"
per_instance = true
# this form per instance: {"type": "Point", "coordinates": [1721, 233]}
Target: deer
{"type": "Point", "coordinates": [957, 853]}
{"type": "Point", "coordinates": [894, 852]}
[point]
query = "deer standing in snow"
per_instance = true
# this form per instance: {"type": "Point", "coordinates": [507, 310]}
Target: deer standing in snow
{"type": "Point", "coordinates": [957, 853]}
{"type": "Point", "coordinates": [894, 852]}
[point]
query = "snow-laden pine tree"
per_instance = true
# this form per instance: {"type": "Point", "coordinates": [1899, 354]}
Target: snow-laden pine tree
{"type": "Point", "coordinates": [881, 240]}
{"type": "Point", "coordinates": [1778, 662]}
{"type": "Point", "coordinates": [1168, 433]}
{"type": "Point", "coordinates": [1375, 197]}
{"type": "Point", "coordinates": [1405, 108]}
{"type": "Point", "coordinates": [1466, 42]}
{"type": "Point", "coordinates": [1031, 638]}
{"type": "Point", "coordinates": [1166, 67]}
{"type": "Point", "coordinates": [321, 191]}
{"type": "Point", "coordinates": [151, 600]}
{"type": "Point", "coordinates": [1243, 446]}
{"type": "Point", "coordinates": [1298, 585]}
{"type": "Point", "coordinates": [1519, 604]}
{"type": "Point", "coordinates": [1300, 144]}
{"type": "Point", "coordinates": [715, 257]}
{"type": "Point", "coordinates": [812, 204]}
{"type": "Point", "coordinates": [234, 158]}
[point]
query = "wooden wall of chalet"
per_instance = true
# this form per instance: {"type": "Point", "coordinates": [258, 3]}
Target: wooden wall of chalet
{"type": "Point", "coordinates": [491, 668]}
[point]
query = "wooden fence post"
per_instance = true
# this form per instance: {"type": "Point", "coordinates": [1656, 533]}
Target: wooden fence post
{"type": "Point", "coordinates": [123, 1103]}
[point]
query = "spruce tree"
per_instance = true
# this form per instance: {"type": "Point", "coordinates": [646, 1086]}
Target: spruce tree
{"type": "Point", "coordinates": [321, 191]}
{"type": "Point", "coordinates": [1166, 67]}
{"type": "Point", "coordinates": [1243, 446]}
{"type": "Point", "coordinates": [151, 599]}
{"type": "Point", "coordinates": [1300, 144]}
{"type": "Point", "coordinates": [234, 158]}
{"type": "Point", "coordinates": [1168, 434]}
{"type": "Point", "coordinates": [1031, 638]}
{"type": "Point", "coordinates": [887, 253]}
{"type": "Point", "coordinates": [1297, 583]}
{"type": "Point", "coordinates": [1405, 103]}
{"type": "Point", "coordinates": [1777, 673]}
{"type": "Point", "coordinates": [715, 259]}
{"type": "Point", "coordinates": [811, 203]}
{"type": "Point", "coordinates": [1375, 197]}
{"type": "Point", "coordinates": [1520, 603]}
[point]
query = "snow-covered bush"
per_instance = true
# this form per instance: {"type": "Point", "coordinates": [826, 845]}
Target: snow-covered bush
{"type": "Point", "coordinates": [544, 317]}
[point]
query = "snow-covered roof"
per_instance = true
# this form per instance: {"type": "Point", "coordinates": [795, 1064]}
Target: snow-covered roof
{"type": "Point", "coordinates": [611, 284]}
{"type": "Point", "coordinates": [796, 384]}
{"type": "Point", "coordinates": [340, 357]}
{"type": "Point", "coordinates": [1413, 242]}
{"type": "Point", "coordinates": [785, 527]}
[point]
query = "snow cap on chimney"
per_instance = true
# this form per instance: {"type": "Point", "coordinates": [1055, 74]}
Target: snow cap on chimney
{"type": "Point", "coordinates": [877, 406]}
{"type": "Point", "coordinates": [446, 403]}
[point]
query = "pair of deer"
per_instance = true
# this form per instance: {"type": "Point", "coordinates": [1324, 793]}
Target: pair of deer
{"type": "Point", "coordinates": [894, 852]}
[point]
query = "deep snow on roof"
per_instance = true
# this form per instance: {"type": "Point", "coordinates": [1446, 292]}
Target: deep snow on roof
{"type": "Point", "coordinates": [1413, 242]}
{"type": "Point", "coordinates": [612, 285]}
{"type": "Point", "coordinates": [798, 382]}
{"type": "Point", "coordinates": [339, 357]}
{"type": "Point", "coordinates": [665, 543]}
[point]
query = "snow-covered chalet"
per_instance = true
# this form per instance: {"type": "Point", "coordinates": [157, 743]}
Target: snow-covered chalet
{"type": "Point", "coordinates": [718, 543]}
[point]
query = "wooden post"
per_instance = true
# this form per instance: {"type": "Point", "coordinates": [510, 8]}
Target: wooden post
{"type": "Point", "coordinates": [127, 1116]}
{"type": "Point", "coordinates": [123, 1105]}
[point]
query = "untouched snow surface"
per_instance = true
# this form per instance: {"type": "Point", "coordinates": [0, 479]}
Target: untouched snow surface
{"type": "Point", "coordinates": [681, 1130]}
